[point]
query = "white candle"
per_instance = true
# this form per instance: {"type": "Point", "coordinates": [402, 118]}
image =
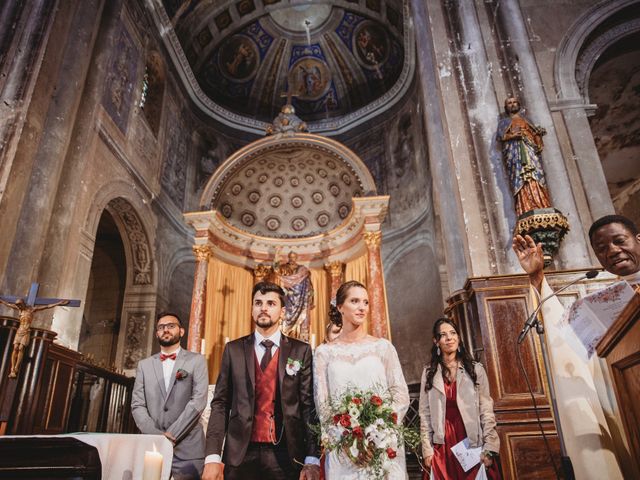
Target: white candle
{"type": "Point", "coordinates": [203, 348]}
{"type": "Point", "coordinates": [313, 341]}
{"type": "Point", "coordinates": [226, 340]}
{"type": "Point", "coordinates": [152, 466]}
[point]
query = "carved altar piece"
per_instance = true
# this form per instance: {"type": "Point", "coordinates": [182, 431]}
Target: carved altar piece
{"type": "Point", "coordinates": [299, 193]}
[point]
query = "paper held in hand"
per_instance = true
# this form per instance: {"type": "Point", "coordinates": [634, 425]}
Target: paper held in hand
{"type": "Point", "coordinates": [590, 317]}
{"type": "Point", "coordinates": [467, 456]}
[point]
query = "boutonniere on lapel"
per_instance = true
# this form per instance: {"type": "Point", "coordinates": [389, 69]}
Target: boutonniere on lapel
{"type": "Point", "coordinates": [180, 374]}
{"type": "Point", "coordinates": [293, 366]}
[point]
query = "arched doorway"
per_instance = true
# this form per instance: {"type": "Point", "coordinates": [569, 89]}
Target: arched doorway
{"type": "Point", "coordinates": [105, 294]}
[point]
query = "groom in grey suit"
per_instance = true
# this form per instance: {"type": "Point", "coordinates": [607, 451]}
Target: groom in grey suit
{"type": "Point", "coordinates": [169, 396]}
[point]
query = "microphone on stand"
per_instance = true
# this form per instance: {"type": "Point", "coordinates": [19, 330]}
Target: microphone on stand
{"type": "Point", "coordinates": [531, 321]}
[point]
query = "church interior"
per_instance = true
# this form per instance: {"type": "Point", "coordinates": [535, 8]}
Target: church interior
{"type": "Point", "coordinates": [165, 155]}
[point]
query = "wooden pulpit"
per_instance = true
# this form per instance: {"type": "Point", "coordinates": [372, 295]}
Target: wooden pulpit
{"type": "Point", "coordinates": [620, 346]}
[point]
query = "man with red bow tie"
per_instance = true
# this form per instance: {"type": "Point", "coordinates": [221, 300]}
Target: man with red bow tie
{"type": "Point", "coordinates": [169, 396]}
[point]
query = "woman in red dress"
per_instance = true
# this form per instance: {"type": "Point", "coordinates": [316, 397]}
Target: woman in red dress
{"type": "Point", "coordinates": [455, 404]}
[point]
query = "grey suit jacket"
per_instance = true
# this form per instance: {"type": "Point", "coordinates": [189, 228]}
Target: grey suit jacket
{"type": "Point", "coordinates": [177, 410]}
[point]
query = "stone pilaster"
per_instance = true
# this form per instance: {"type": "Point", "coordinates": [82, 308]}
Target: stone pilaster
{"type": "Point", "coordinates": [199, 297]}
{"type": "Point", "coordinates": [378, 312]}
{"type": "Point", "coordinates": [441, 160]}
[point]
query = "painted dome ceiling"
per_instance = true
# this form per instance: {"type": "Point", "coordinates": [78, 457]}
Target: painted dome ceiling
{"type": "Point", "coordinates": [331, 58]}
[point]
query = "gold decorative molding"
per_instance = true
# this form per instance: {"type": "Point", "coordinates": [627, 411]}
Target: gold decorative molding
{"type": "Point", "coordinates": [262, 271]}
{"type": "Point", "coordinates": [202, 252]}
{"type": "Point", "coordinates": [334, 269]}
{"type": "Point", "coordinates": [542, 221]}
{"type": "Point", "coordinates": [241, 248]}
{"type": "Point", "coordinates": [372, 239]}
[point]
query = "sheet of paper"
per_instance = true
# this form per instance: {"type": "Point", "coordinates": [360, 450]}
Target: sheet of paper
{"type": "Point", "coordinates": [467, 456]}
{"type": "Point", "coordinates": [591, 316]}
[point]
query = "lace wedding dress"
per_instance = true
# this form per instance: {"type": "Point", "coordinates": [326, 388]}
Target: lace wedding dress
{"type": "Point", "coordinates": [368, 365]}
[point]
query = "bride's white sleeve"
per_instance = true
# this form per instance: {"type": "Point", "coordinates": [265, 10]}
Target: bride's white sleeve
{"type": "Point", "coordinates": [320, 386]}
{"type": "Point", "coordinates": [395, 380]}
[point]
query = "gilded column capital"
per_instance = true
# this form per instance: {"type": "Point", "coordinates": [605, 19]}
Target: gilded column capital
{"type": "Point", "coordinates": [372, 239]}
{"type": "Point", "coordinates": [261, 272]}
{"type": "Point", "coordinates": [202, 252]}
{"type": "Point", "coordinates": [334, 269]}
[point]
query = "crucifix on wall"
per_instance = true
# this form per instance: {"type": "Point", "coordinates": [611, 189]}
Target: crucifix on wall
{"type": "Point", "coordinates": [26, 308]}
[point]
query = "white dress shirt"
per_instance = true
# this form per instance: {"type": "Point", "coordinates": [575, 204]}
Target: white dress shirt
{"type": "Point", "coordinates": [167, 367]}
{"type": "Point", "coordinates": [260, 349]}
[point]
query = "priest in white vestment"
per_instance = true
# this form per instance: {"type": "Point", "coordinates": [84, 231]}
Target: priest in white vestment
{"type": "Point", "coordinates": [586, 403]}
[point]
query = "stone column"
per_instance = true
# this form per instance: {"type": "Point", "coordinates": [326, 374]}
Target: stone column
{"type": "Point", "coordinates": [445, 187]}
{"type": "Point", "coordinates": [573, 251]}
{"type": "Point", "coordinates": [199, 297]}
{"type": "Point", "coordinates": [335, 271]}
{"type": "Point", "coordinates": [588, 161]}
{"type": "Point", "coordinates": [378, 312]}
{"type": "Point", "coordinates": [24, 31]}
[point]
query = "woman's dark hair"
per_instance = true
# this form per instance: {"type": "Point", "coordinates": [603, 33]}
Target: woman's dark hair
{"type": "Point", "coordinates": [436, 358]}
{"type": "Point", "coordinates": [341, 295]}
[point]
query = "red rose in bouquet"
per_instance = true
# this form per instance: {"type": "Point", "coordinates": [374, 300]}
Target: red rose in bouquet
{"type": "Point", "coordinates": [345, 421]}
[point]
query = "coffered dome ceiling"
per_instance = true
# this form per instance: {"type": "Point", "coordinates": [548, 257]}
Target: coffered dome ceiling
{"type": "Point", "coordinates": [288, 188]}
{"type": "Point", "coordinates": [340, 61]}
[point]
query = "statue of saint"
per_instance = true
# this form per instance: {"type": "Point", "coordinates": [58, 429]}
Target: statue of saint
{"type": "Point", "coordinates": [521, 151]}
{"type": "Point", "coordinates": [296, 281]}
{"type": "Point", "coordinates": [23, 334]}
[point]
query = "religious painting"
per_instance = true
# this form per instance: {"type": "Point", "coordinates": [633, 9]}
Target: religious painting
{"type": "Point", "coordinates": [309, 78]}
{"type": "Point", "coordinates": [370, 44]}
{"type": "Point", "coordinates": [118, 89]}
{"type": "Point", "coordinates": [239, 58]}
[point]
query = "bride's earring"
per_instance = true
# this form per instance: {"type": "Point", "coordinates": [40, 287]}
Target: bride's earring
{"type": "Point", "coordinates": [438, 351]}
{"type": "Point", "coordinates": [459, 351]}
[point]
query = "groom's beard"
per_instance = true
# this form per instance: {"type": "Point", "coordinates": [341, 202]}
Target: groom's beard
{"type": "Point", "coordinates": [265, 321]}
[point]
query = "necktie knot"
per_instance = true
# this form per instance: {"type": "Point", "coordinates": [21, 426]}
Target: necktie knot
{"type": "Point", "coordinates": [266, 358]}
{"type": "Point", "coordinates": [170, 356]}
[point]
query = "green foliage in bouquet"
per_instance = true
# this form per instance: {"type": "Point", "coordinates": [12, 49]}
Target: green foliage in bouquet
{"type": "Point", "coordinates": [363, 427]}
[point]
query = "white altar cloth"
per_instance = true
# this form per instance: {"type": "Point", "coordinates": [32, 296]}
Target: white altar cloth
{"type": "Point", "coordinates": [122, 455]}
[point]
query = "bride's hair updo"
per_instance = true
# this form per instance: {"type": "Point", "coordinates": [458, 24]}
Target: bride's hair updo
{"type": "Point", "coordinates": [334, 314]}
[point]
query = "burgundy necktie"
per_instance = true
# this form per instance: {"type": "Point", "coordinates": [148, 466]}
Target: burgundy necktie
{"type": "Point", "coordinates": [170, 356]}
{"type": "Point", "coordinates": [266, 358]}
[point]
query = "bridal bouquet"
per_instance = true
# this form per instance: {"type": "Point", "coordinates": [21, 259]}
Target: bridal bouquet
{"type": "Point", "coordinates": [363, 426]}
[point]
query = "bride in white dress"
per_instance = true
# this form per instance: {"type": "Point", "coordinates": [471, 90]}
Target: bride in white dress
{"type": "Point", "coordinates": [357, 360]}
